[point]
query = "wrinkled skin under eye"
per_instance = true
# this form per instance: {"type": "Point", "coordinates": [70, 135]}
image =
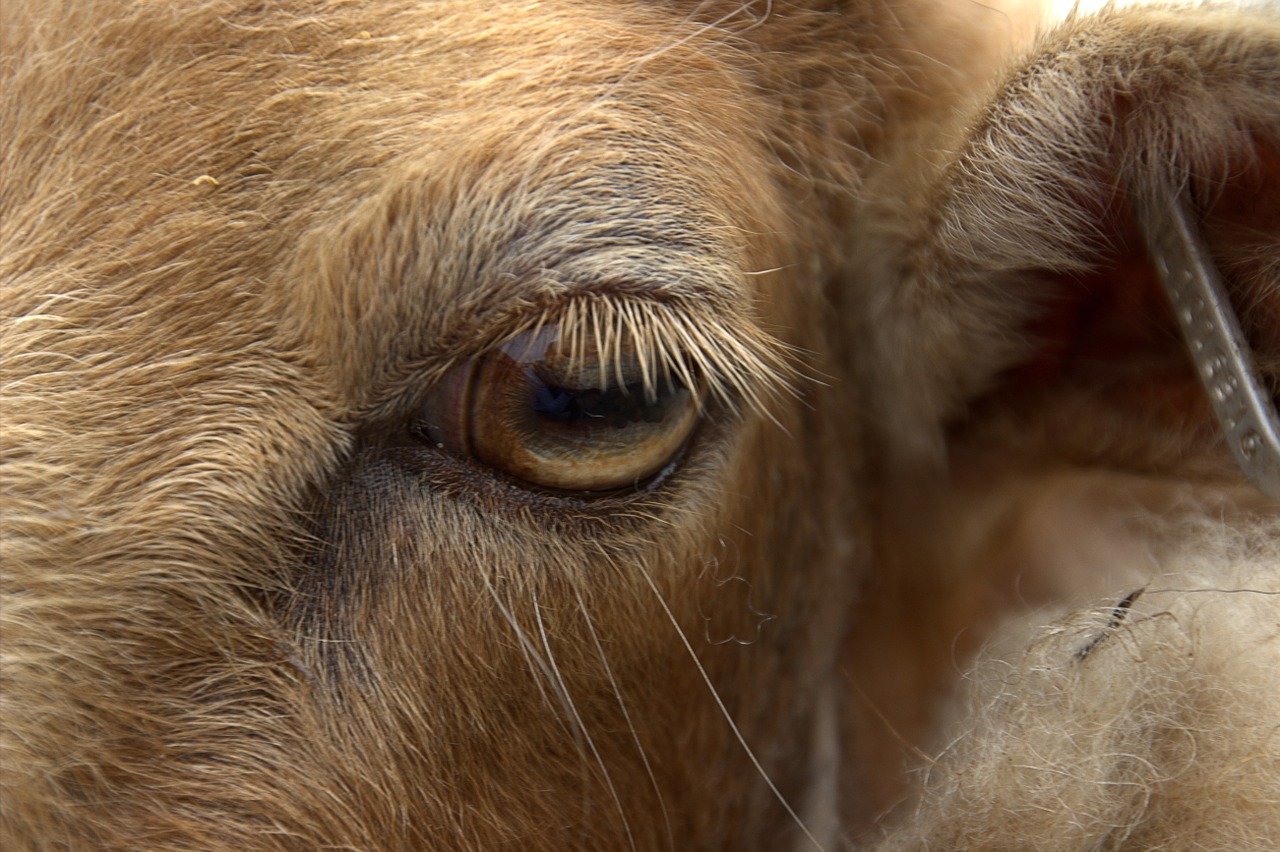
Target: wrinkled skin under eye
{"type": "Point", "coordinates": [524, 410]}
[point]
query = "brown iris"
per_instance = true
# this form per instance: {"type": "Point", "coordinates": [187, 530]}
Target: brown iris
{"type": "Point", "coordinates": [526, 410]}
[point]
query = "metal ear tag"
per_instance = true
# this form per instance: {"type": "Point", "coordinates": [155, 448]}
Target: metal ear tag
{"type": "Point", "coordinates": [1212, 335]}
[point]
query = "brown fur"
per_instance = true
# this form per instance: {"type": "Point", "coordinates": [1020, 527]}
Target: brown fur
{"type": "Point", "coordinates": [246, 608]}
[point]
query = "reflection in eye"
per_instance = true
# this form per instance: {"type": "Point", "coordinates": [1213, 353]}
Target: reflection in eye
{"type": "Point", "coordinates": [527, 409]}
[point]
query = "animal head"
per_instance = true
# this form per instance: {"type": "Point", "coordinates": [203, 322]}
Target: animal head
{"type": "Point", "coordinates": [414, 434]}
{"type": "Point", "coordinates": [508, 425]}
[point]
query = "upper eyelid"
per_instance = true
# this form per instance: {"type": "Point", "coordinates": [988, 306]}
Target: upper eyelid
{"type": "Point", "coordinates": [708, 346]}
{"type": "Point", "coordinates": [698, 342]}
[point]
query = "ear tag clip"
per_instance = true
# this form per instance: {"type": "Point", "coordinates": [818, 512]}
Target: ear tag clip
{"type": "Point", "coordinates": [1212, 334]}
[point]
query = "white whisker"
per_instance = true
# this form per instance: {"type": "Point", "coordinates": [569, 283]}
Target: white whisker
{"type": "Point", "coordinates": [724, 711]}
{"type": "Point", "coordinates": [537, 666]}
{"type": "Point", "coordinates": [563, 690]}
{"type": "Point", "coordinates": [622, 705]}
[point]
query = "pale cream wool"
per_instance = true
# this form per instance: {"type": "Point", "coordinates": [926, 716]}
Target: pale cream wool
{"type": "Point", "coordinates": [1154, 726]}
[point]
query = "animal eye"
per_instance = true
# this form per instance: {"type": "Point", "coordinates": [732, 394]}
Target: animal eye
{"type": "Point", "coordinates": [584, 424]}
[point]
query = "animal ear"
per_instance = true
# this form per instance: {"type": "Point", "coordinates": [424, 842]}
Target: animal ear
{"type": "Point", "coordinates": [1017, 261]}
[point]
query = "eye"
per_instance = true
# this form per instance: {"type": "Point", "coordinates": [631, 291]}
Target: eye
{"type": "Point", "coordinates": [582, 424]}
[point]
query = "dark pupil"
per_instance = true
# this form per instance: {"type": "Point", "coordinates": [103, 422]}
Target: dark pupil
{"type": "Point", "coordinates": [616, 407]}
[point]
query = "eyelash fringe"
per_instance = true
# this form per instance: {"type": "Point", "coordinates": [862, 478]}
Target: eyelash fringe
{"type": "Point", "coordinates": [716, 355]}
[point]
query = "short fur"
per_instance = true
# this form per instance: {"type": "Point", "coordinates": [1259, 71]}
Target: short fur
{"type": "Point", "coordinates": [246, 606]}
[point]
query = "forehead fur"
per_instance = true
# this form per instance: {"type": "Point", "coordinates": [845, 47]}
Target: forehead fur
{"type": "Point", "coordinates": [440, 199]}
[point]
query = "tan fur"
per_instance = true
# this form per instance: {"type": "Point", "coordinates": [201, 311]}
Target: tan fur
{"type": "Point", "coordinates": [246, 608]}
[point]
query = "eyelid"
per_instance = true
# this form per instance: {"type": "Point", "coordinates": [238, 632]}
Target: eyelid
{"type": "Point", "coordinates": [712, 346]}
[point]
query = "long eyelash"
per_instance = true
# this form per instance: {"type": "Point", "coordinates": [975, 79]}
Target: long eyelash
{"type": "Point", "coordinates": [720, 354]}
